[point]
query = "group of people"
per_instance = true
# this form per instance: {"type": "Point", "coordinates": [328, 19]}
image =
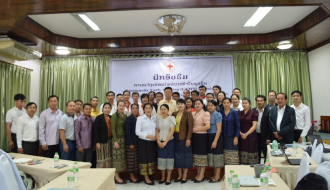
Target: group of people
{"type": "Point", "coordinates": [201, 129]}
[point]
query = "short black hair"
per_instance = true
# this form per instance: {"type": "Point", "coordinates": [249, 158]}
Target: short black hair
{"type": "Point", "coordinates": [237, 89]}
{"type": "Point", "coordinates": [226, 99]}
{"type": "Point", "coordinates": [182, 101]}
{"type": "Point", "coordinates": [296, 91]}
{"type": "Point", "coordinates": [168, 88]}
{"type": "Point", "coordinates": [68, 102]}
{"type": "Point", "coordinates": [218, 87]}
{"type": "Point", "coordinates": [135, 104]}
{"type": "Point", "coordinates": [272, 91]}
{"type": "Point", "coordinates": [234, 95]}
{"type": "Point", "coordinates": [87, 104]}
{"type": "Point", "coordinates": [247, 99]}
{"type": "Point", "coordinates": [160, 94]}
{"type": "Point", "coordinates": [19, 97]}
{"type": "Point", "coordinates": [127, 91]}
{"type": "Point", "coordinates": [165, 105]}
{"type": "Point", "coordinates": [215, 103]}
{"type": "Point", "coordinates": [286, 97]}
{"type": "Point", "coordinates": [143, 96]}
{"type": "Point", "coordinates": [187, 90]}
{"type": "Point", "coordinates": [210, 94]}
{"type": "Point", "coordinates": [118, 95]}
{"type": "Point", "coordinates": [78, 101]}
{"type": "Point", "coordinates": [106, 103]}
{"type": "Point", "coordinates": [153, 93]}
{"type": "Point", "coordinates": [93, 98]}
{"type": "Point", "coordinates": [177, 93]}
{"type": "Point", "coordinates": [52, 96]}
{"type": "Point", "coordinates": [195, 91]}
{"type": "Point", "coordinates": [119, 102]}
{"type": "Point", "coordinates": [30, 104]}
{"type": "Point", "coordinates": [145, 105]}
{"type": "Point", "coordinates": [199, 100]}
{"type": "Point", "coordinates": [110, 92]}
{"type": "Point", "coordinates": [261, 96]}
{"type": "Point", "coordinates": [202, 86]}
{"type": "Point", "coordinates": [135, 93]}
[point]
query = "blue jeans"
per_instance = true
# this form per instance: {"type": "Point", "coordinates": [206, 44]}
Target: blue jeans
{"type": "Point", "coordinates": [71, 154]}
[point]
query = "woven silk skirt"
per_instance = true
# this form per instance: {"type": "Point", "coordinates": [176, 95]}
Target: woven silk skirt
{"type": "Point", "coordinates": [215, 156]}
{"type": "Point", "coordinates": [132, 159]}
{"type": "Point", "coordinates": [104, 156]}
{"type": "Point", "coordinates": [166, 156]}
{"type": "Point", "coordinates": [183, 155]}
{"type": "Point", "coordinates": [119, 155]}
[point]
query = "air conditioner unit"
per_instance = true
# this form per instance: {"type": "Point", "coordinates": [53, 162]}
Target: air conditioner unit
{"type": "Point", "coordinates": [14, 50]}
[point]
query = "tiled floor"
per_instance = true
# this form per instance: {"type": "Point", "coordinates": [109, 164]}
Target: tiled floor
{"type": "Point", "coordinates": [190, 185]}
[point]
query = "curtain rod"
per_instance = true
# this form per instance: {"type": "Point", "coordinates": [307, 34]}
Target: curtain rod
{"type": "Point", "coordinates": [260, 51]}
{"type": "Point", "coordinates": [16, 65]}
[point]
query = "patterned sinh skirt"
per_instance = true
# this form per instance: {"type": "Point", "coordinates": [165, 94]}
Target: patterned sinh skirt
{"type": "Point", "coordinates": [166, 156]}
{"type": "Point", "coordinates": [183, 155]}
{"type": "Point", "coordinates": [215, 156]}
{"type": "Point", "coordinates": [147, 157]}
{"type": "Point", "coordinates": [132, 159]}
{"type": "Point", "coordinates": [248, 149]}
{"type": "Point", "coordinates": [119, 155]}
{"type": "Point", "coordinates": [231, 151]}
{"type": "Point", "coordinates": [199, 148]}
{"type": "Point", "coordinates": [104, 156]}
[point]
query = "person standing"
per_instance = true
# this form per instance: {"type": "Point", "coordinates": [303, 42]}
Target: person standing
{"type": "Point", "coordinates": [146, 131]}
{"type": "Point", "coordinates": [202, 94]}
{"type": "Point", "coordinates": [27, 131]}
{"type": "Point", "coordinates": [271, 99]}
{"type": "Point", "coordinates": [118, 138]}
{"type": "Point", "coordinates": [216, 91]}
{"type": "Point", "coordinates": [111, 99]}
{"type": "Point", "coordinates": [199, 139]}
{"type": "Point", "coordinates": [83, 127]}
{"type": "Point", "coordinates": [237, 91]}
{"type": "Point", "coordinates": [186, 94]}
{"type": "Point", "coordinates": [175, 96]}
{"type": "Point", "coordinates": [77, 109]}
{"type": "Point", "coordinates": [48, 128]}
{"type": "Point", "coordinates": [94, 101]}
{"type": "Point", "coordinates": [103, 137]}
{"type": "Point", "coordinates": [215, 155]}
{"type": "Point", "coordinates": [221, 95]}
{"type": "Point", "coordinates": [132, 140]}
{"type": "Point", "coordinates": [66, 130]}
{"type": "Point", "coordinates": [159, 97]}
{"type": "Point", "coordinates": [230, 130]}
{"type": "Point", "coordinates": [145, 100]}
{"type": "Point", "coordinates": [169, 101]}
{"type": "Point", "coordinates": [282, 120]}
{"type": "Point", "coordinates": [11, 119]}
{"type": "Point", "coordinates": [183, 159]}
{"type": "Point", "coordinates": [164, 133]}
{"type": "Point", "coordinates": [127, 96]}
{"type": "Point", "coordinates": [236, 105]}
{"type": "Point", "coordinates": [152, 96]}
{"type": "Point", "coordinates": [194, 97]}
{"type": "Point", "coordinates": [189, 105]}
{"type": "Point", "coordinates": [263, 131]}
{"type": "Point", "coordinates": [303, 117]}
{"type": "Point", "coordinates": [135, 97]}
{"type": "Point", "coordinates": [248, 143]}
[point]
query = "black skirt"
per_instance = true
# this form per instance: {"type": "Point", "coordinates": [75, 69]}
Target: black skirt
{"type": "Point", "coordinates": [199, 146]}
{"type": "Point", "coordinates": [147, 157]}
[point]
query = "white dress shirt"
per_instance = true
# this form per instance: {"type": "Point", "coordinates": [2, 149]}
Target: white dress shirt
{"type": "Point", "coordinates": [239, 107]}
{"type": "Point", "coordinates": [259, 119]}
{"type": "Point", "coordinates": [145, 126]}
{"type": "Point", "coordinates": [27, 129]}
{"type": "Point", "coordinates": [153, 113]}
{"type": "Point", "coordinates": [12, 115]}
{"type": "Point", "coordinates": [303, 118]}
{"type": "Point", "coordinates": [280, 113]}
{"type": "Point", "coordinates": [113, 108]}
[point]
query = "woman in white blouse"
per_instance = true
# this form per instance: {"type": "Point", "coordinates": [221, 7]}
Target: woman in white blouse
{"type": "Point", "coordinates": [164, 132]}
{"type": "Point", "coordinates": [27, 131]}
{"type": "Point", "coordinates": [236, 103]}
{"type": "Point", "coordinates": [144, 100]}
{"type": "Point", "coordinates": [146, 131]}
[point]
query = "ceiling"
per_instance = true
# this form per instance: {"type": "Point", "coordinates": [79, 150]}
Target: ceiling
{"type": "Point", "coordinates": [200, 21]}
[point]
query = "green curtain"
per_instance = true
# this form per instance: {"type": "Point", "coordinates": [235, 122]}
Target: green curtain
{"type": "Point", "coordinates": [74, 78]}
{"type": "Point", "coordinates": [14, 80]}
{"type": "Point", "coordinates": [255, 73]}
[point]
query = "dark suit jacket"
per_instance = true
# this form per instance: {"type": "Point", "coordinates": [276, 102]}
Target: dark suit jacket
{"type": "Point", "coordinates": [264, 125]}
{"type": "Point", "coordinates": [156, 107]}
{"type": "Point", "coordinates": [100, 129]}
{"type": "Point", "coordinates": [268, 106]}
{"type": "Point", "coordinates": [186, 125]}
{"type": "Point", "coordinates": [287, 124]}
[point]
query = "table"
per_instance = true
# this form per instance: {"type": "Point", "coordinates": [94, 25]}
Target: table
{"type": "Point", "coordinates": [247, 170]}
{"type": "Point", "coordinates": [42, 173]}
{"type": "Point", "coordinates": [96, 179]}
{"type": "Point", "coordinates": [287, 172]}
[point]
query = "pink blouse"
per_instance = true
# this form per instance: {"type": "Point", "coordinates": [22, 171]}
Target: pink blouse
{"type": "Point", "coordinates": [201, 119]}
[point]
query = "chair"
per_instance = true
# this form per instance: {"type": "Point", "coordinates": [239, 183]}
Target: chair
{"type": "Point", "coordinates": [324, 170]}
{"type": "Point", "coordinates": [325, 123]}
{"type": "Point", "coordinates": [314, 146]}
{"type": "Point", "coordinates": [9, 175]}
{"type": "Point", "coordinates": [317, 154]}
{"type": "Point", "coordinates": [304, 166]}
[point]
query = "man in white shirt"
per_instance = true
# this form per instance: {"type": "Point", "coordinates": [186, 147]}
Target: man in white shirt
{"type": "Point", "coordinates": [216, 91]}
{"type": "Point", "coordinates": [27, 131]}
{"type": "Point", "coordinates": [303, 117]}
{"type": "Point", "coordinates": [11, 118]}
{"type": "Point", "coordinates": [111, 99]}
{"type": "Point", "coordinates": [169, 101]}
{"type": "Point", "coordinates": [238, 92]}
{"type": "Point", "coordinates": [135, 97]}
{"type": "Point", "coordinates": [202, 94]}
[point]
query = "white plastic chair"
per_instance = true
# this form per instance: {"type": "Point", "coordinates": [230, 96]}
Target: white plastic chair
{"type": "Point", "coordinates": [324, 171]}
{"type": "Point", "coordinates": [304, 166]}
{"type": "Point", "coordinates": [9, 175]}
{"type": "Point", "coordinates": [314, 146]}
{"type": "Point", "coordinates": [317, 154]}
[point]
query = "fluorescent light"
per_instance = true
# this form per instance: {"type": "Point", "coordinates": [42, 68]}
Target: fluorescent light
{"type": "Point", "coordinates": [61, 50]}
{"type": "Point", "coordinates": [167, 49]}
{"type": "Point", "coordinates": [89, 22]}
{"type": "Point", "coordinates": [257, 16]}
{"type": "Point", "coordinates": [284, 45]}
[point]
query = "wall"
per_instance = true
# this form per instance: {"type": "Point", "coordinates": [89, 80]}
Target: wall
{"type": "Point", "coordinates": [319, 69]}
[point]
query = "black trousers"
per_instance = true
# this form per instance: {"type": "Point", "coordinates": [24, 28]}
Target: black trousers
{"type": "Point", "coordinates": [297, 134]}
{"type": "Point", "coordinates": [14, 139]}
{"type": "Point", "coordinates": [30, 148]}
{"type": "Point", "coordinates": [262, 146]}
{"type": "Point", "coordinates": [51, 151]}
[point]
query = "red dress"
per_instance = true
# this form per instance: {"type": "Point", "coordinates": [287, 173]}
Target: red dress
{"type": "Point", "coordinates": [248, 148]}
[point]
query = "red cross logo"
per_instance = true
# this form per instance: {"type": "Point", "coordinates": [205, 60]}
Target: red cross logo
{"type": "Point", "coordinates": [170, 66]}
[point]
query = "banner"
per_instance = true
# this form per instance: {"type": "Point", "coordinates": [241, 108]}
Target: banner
{"type": "Point", "coordinates": [180, 73]}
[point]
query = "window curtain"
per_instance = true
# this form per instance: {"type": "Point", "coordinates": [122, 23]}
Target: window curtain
{"type": "Point", "coordinates": [14, 80]}
{"type": "Point", "coordinates": [255, 73]}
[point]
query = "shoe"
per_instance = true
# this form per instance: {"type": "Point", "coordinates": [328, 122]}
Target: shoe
{"type": "Point", "coordinates": [167, 183]}
{"type": "Point", "coordinates": [151, 183]}
{"type": "Point", "coordinates": [212, 180]}
{"type": "Point", "coordinates": [137, 181]}
{"type": "Point", "coordinates": [194, 179]}
{"type": "Point", "coordinates": [161, 182]}
{"type": "Point", "coordinates": [177, 180]}
{"type": "Point", "coordinates": [123, 182]}
{"type": "Point", "coordinates": [183, 181]}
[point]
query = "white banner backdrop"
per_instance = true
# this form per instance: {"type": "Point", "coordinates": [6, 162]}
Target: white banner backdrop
{"type": "Point", "coordinates": [180, 73]}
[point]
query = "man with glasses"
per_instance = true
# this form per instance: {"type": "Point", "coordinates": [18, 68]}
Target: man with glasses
{"type": "Point", "coordinates": [271, 99]}
{"type": "Point", "coordinates": [152, 96]}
